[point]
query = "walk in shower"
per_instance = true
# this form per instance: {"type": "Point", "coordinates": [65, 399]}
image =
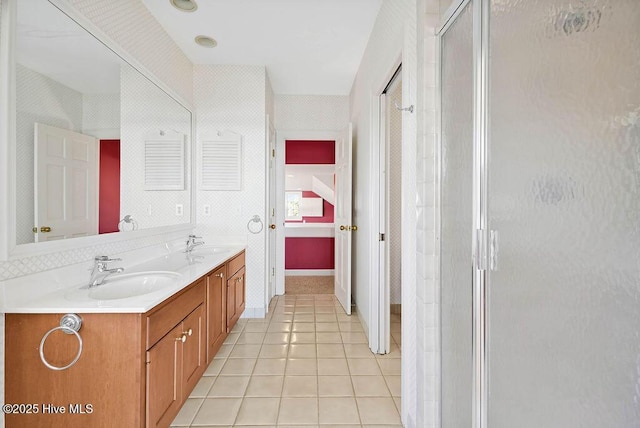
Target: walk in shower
{"type": "Point", "coordinates": [540, 214]}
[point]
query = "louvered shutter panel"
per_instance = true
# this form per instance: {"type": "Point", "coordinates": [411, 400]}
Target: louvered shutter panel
{"type": "Point", "coordinates": [221, 164]}
{"type": "Point", "coordinates": [164, 164]}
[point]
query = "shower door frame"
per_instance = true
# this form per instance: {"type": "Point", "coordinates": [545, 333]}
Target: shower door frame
{"type": "Point", "coordinates": [480, 241]}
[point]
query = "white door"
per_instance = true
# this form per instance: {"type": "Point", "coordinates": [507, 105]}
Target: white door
{"type": "Point", "coordinates": [66, 183]}
{"type": "Point", "coordinates": [272, 212]}
{"type": "Point", "coordinates": [343, 226]}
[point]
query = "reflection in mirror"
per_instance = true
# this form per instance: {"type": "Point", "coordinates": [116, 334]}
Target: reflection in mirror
{"type": "Point", "coordinates": [91, 133]}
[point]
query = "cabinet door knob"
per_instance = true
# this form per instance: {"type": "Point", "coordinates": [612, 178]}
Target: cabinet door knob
{"type": "Point", "coordinates": [182, 338]}
{"type": "Point", "coordinates": [219, 275]}
{"type": "Point", "coordinates": [189, 332]}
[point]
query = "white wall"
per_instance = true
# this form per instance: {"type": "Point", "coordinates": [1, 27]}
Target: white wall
{"type": "Point", "coordinates": [101, 115]}
{"type": "Point", "coordinates": [233, 98]}
{"type": "Point", "coordinates": [394, 191]}
{"type": "Point", "coordinates": [311, 112]}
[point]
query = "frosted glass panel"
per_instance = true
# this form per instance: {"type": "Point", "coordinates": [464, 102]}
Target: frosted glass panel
{"type": "Point", "coordinates": [456, 221]}
{"type": "Point", "coordinates": [564, 195]}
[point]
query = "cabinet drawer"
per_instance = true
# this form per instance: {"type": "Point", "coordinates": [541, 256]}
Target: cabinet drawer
{"type": "Point", "coordinates": [235, 264]}
{"type": "Point", "coordinates": [173, 312]}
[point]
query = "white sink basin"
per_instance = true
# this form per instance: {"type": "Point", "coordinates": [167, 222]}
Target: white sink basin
{"type": "Point", "coordinates": [133, 284]}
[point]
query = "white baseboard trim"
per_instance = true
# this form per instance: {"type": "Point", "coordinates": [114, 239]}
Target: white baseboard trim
{"type": "Point", "coordinates": [254, 313]}
{"type": "Point", "coordinates": [309, 272]}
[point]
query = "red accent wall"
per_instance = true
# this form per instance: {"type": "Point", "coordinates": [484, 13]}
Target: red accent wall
{"type": "Point", "coordinates": [309, 253]}
{"type": "Point", "coordinates": [310, 152]}
{"type": "Point", "coordinates": [109, 212]}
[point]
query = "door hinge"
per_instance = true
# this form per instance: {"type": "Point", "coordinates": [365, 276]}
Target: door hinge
{"type": "Point", "coordinates": [273, 271]}
{"type": "Point", "coordinates": [273, 212]}
{"type": "Point", "coordinates": [381, 237]}
{"type": "Point", "coordinates": [273, 153]}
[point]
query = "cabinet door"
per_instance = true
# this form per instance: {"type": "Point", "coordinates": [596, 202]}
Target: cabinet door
{"type": "Point", "coordinates": [231, 302]}
{"type": "Point", "coordinates": [164, 379]}
{"type": "Point", "coordinates": [216, 311]}
{"type": "Point", "coordinates": [240, 292]}
{"type": "Point", "coordinates": [193, 350]}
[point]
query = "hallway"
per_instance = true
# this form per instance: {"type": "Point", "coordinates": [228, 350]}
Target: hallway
{"type": "Point", "coordinates": [306, 364]}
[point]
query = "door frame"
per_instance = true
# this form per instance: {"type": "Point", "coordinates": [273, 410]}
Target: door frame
{"type": "Point", "coordinates": [281, 137]}
{"type": "Point", "coordinates": [272, 259]}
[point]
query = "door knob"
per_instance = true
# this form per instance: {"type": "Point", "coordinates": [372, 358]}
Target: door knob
{"type": "Point", "coordinates": [273, 226]}
{"type": "Point", "coordinates": [354, 228]}
{"type": "Point", "coordinates": [342, 227]}
{"type": "Point", "coordinates": [45, 229]}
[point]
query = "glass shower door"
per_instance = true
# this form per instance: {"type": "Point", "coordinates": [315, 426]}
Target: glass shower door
{"type": "Point", "coordinates": [456, 220]}
{"type": "Point", "coordinates": [564, 195]}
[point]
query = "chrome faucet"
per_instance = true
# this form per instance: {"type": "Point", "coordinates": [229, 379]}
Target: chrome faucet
{"type": "Point", "coordinates": [100, 271]}
{"type": "Point", "coordinates": [192, 243]}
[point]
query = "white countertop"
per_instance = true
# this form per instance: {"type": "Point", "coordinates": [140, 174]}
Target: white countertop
{"type": "Point", "coordinates": [64, 290]}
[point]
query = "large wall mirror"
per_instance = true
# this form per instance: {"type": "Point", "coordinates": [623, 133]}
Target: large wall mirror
{"type": "Point", "coordinates": [99, 148]}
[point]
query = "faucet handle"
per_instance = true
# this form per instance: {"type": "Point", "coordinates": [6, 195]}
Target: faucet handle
{"type": "Point", "coordinates": [106, 259]}
{"type": "Point", "coordinates": [195, 237]}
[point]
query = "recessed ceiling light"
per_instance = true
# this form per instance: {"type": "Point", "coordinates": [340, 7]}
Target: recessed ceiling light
{"type": "Point", "coordinates": [206, 41]}
{"type": "Point", "coordinates": [184, 5]}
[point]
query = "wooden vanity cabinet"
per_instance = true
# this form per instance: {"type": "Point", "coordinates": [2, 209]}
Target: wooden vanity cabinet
{"type": "Point", "coordinates": [216, 310]}
{"type": "Point", "coordinates": [176, 361]}
{"type": "Point", "coordinates": [136, 369]}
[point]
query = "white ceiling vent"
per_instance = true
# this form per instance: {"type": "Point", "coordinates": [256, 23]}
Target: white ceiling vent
{"type": "Point", "coordinates": [164, 163]}
{"type": "Point", "coordinates": [221, 161]}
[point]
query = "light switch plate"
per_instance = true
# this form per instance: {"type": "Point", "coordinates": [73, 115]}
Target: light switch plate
{"type": "Point", "coordinates": [179, 210]}
{"type": "Point", "coordinates": [206, 208]}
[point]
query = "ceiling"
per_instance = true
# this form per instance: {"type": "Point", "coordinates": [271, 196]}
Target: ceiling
{"type": "Point", "coordinates": [309, 47]}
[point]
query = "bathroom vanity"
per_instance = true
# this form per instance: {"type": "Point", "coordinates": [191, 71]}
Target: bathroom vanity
{"type": "Point", "coordinates": [141, 356]}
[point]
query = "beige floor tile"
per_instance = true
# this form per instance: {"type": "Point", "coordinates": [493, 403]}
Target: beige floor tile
{"type": "Point", "coordinates": [270, 366]}
{"type": "Point", "coordinates": [327, 326]}
{"type": "Point", "coordinates": [223, 352]}
{"type": "Point", "coordinates": [363, 367]}
{"type": "Point", "coordinates": [250, 337]}
{"type": "Point", "coordinates": [299, 327]}
{"type": "Point", "coordinates": [245, 351]}
{"type": "Point", "coordinates": [353, 337]}
{"type": "Point", "coordinates": [304, 309]}
{"type": "Point", "coordinates": [202, 387]}
{"type": "Point", "coordinates": [395, 385]}
{"type": "Point", "coordinates": [258, 411]}
{"type": "Point", "coordinates": [274, 351]}
{"type": "Point", "coordinates": [390, 367]}
{"type": "Point", "coordinates": [238, 367]}
{"type": "Point", "coordinates": [375, 426]}
{"type": "Point", "coordinates": [370, 386]}
{"type": "Point", "coordinates": [304, 337]}
{"type": "Point", "coordinates": [229, 386]}
{"type": "Point", "coordinates": [238, 328]}
{"type": "Point", "coordinates": [276, 338]}
{"type": "Point", "coordinates": [330, 350]}
{"type": "Point", "coordinates": [335, 386]}
{"type": "Point", "coordinates": [187, 413]}
{"type": "Point", "coordinates": [217, 411]}
{"type": "Point", "coordinates": [332, 367]}
{"type": "Point", "coordinates": [325, 310]}
{"type": "Point", "coordinates": [334, 410]}
{"type": "Point", "coordinates": [398, 402]}
{"type": "Point", "coordinates": [265, 386]}
{"type": "Point", "coordinates": [279, 327]}
{"type": "Point", "coordinates": [328, 337]}
{"type": "Point", "coordinates": [298, 411]}
{"type": "Point", "coordinates": [326, 318]}
{"type": "Point", "coordinates": [358, 350]}
{"type": "Point", "coordinates": [302, 350]}
{"type": "Point", "coordinates": [232, 338]}
{"type": "Point", "coordinates": [282, 317]}
{"type": "Point", "coordinates": [350, 326]}
{"type": "Point", "coordinates": [378, 410]}
{"type": "Point", "coordinates": [257, 327]}
{"type": "Point", "coordinates": [214, 368]}
{"type": "Point", "coordinates": [300, 386]}
{"type": "Point", "coordinates": [301, 366]}
{"type": "Point", "coordinates": [304, 318]}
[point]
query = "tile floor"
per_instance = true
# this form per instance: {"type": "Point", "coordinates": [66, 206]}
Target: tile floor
{"type": "Point", "coordinates": [306, 365]}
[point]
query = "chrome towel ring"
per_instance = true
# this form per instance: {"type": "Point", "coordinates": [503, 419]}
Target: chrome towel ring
{"type": "Point", "coordinates": [69, 324]}
{"type": "Point", "coordinates": [255, 219]}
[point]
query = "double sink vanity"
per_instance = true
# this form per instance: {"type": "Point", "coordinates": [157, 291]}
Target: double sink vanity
{"type": "Point", "coordinates": [146, 336]}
